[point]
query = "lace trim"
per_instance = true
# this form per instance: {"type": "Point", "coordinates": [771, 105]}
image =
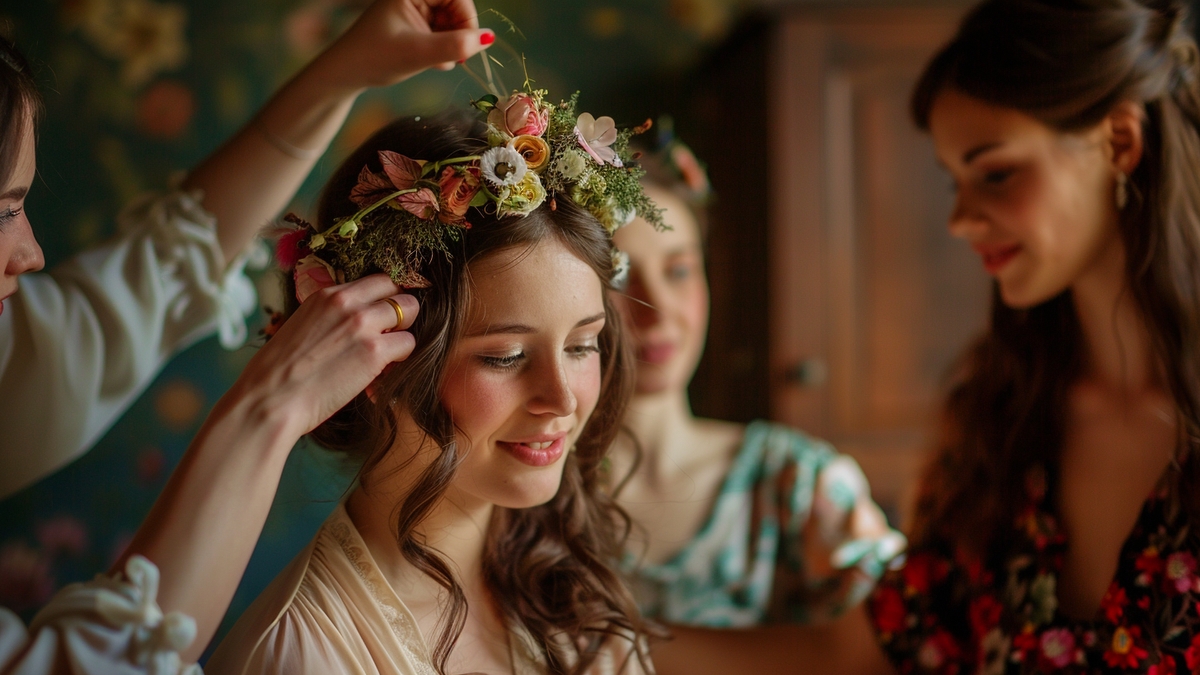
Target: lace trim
{"type": "Point", "coordinates": [401, 625]}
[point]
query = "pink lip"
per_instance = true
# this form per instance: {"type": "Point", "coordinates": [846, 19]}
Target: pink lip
{"type": "Point", "coordinates": [535, 457]}
{"type": "Point", "coordinates": [656, 353]}
{"type": "Point", "coordinates": [995, 258]}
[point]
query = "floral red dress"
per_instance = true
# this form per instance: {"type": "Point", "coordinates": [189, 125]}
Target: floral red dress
{"type": "Point", "coordinates": [943, 611]}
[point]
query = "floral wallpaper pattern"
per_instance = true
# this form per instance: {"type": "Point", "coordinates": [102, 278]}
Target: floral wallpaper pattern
{"type": "Point", "coordinates": [139, 90]}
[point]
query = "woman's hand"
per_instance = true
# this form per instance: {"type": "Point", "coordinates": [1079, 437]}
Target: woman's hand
{"type": "Point", "coordinates": [255, 174]}
{"type": "Point", "coordinates": [395, 39]}
{"type": "Point", "coordinates": [327, 353]}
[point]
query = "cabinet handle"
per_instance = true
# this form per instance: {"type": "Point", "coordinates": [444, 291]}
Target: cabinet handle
{"type": "Point", "coordinates": [809, 373]}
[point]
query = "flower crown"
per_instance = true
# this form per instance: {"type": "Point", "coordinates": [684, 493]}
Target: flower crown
{"type": "Point", "coordinates": [415, 208]}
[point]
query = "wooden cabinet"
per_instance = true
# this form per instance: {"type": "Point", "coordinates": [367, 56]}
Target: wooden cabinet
{"type": "Point", "coordinates": [867, 299]}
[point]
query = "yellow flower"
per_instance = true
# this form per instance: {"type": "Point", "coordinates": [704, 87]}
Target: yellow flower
{"type": "Point", "coordinates": [535, 151]}
{"type": "Point", "coordinates": [521, 199]}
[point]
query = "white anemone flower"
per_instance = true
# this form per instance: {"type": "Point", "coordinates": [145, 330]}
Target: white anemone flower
{"type": "Point", "coordinates": [503, 166]}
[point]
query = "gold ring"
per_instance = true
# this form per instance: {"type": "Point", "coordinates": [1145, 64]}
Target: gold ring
{"type": "Point", "coordinates": [399, 313]}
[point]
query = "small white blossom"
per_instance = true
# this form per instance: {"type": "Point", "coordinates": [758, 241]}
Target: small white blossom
{"type": "Point", "coordinates": [570, 165]}
{"type": "Point", "coordinates": [503, 166]}
{"type": "Point", "coordinates": [620, 263]}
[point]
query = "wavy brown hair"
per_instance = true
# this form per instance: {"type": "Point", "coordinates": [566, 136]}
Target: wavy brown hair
{"type": "Point", "coordinates": [1068, 63]}
{"type": "Point", "coordinates": [20, 106]}
{"type": "Point", "coordinates": [550, 567]}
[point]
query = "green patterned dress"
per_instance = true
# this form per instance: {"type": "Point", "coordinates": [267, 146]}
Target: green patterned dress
{"type": "Point", "coordinates": [793, 537]}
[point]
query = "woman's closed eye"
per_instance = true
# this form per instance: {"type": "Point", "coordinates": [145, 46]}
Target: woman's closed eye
{"type": "Point", "coordinates": [505, 362]}
{"type": "Point", "coordinates": [584, 350]}
{"type": "Point", "coordinates": [997, 177]}
{"type": "Point", "coordinates": [10, 214]}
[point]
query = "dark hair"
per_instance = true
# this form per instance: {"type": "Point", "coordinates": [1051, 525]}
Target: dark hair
{"type": "Point", "coordinates": [1068, 63]}
{"type": "Point", "coordinates": [552, 565]}
{"type": "Point", "coordinates": [661, 174]}
{"type": "Point", "coordinates": [20, 106]}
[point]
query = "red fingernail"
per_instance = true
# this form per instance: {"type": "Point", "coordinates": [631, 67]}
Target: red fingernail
{"type": "Point", "coordinates": [462, 61]}
{"type": "Point", "coordinates": [487, 38]}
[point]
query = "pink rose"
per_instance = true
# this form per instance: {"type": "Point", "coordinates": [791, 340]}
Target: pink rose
{"type": "Point", "coordinates": [458, 186]}
{"type": "Point", "coordinates": [311, 275]}
{"type": "Point", "coordinates": [518, 115]}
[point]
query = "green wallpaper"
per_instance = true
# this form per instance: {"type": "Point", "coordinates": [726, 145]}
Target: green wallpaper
{"type": "Point", "coordinates": [138, 90]}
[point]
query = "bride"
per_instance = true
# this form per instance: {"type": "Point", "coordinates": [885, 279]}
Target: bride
{"type": "Point", "coordinates": [478, 537]}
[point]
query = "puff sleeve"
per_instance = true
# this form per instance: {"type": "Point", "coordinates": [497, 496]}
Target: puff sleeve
{"type": "Point", "coordinates": [78, 344]}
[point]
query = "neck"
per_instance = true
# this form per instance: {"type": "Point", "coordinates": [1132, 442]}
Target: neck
{"type": "Point", "coordinates": [661, 422]}
{"type": "Point", "coordinates": [1119, 355]}
{"type": "Point", "coordinates": [456, 528]}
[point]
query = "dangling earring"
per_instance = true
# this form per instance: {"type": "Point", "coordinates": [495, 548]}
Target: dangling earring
{"type": "Point", "coordinates": [1122, 190]}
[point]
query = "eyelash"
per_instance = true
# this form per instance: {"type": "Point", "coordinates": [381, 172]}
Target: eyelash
{"type": "Point", "coordinates": [513, 361]}
{"type": "Point", "coordinates": [7, 216]}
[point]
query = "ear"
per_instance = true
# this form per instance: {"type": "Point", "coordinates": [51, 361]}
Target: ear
{"type": "Point", "coordinates": [1125, 139]}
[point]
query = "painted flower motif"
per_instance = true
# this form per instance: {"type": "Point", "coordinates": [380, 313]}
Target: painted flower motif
{"type": "Point", "coordinates": [888, 610]}
{"type": "Point", "coordinates": [1181, 571]}
{"type": "Point", "coordinates": [311, 275]}
{"type": "Point", "coordinates": [1124, 651]}
{"type": "Point", "coordinates": [521, 199]}
{"type": "Point", "coordinates": [1166, 666]}
{"type": "Point", "coordinates": [596, 137]}
{"type": "Point", "coordinates": [984, 612]}
{"type": "Point", "coordinates": [1058, 647]}
{"type": "Point", "coordinates": [921, 570]}
{"type": "Point", "coordinates": [146, 37]}
{"type": "Point", "coordinates": [519, 115]}
{"type": "Point", "coordinates": [503, 167]}
{"type": "Point", "coordinates": [458, 185]}
{"type": "Point", "coordinates": [62, 534]}
{"type": "Point", "coordinates": [1149, 562]}
{"type": "Point", "coordinates": [937, 651]}
{"type": "Point", "coordinates": [570, 165]}
{"type": "Point", "coordinates": [1113, 603]}
{"type": "Point", "coordinates": [535, 150]}
{"type": "Point", "coordinates": [1042, 592]}
{"type": "Point", "coordinates": [1192, 655]}
{"type": "Point", "coordinates": [993, 652]}
{"type": "Point", "coordinates": [25, 579]}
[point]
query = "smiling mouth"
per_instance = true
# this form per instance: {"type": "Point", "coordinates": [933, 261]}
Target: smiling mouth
{"type": "Point", "coordinates": [996, 258]}
{"type": "Point", "coordinates": [536, 453]}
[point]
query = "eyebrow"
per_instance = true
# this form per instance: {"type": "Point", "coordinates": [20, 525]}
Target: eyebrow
{"type": "Point", "coordinates": [15, 193]}
{"type": "Point", "coordinates": [971, 154]}
{"type": "Point", "coordinates": [522, 329]}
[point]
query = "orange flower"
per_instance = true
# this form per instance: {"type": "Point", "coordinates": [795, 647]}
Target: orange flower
{"type": "Point", "coordinates": [535, 151]}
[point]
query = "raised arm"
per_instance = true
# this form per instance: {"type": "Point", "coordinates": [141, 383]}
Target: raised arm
{"type": "Point", "coordinates": [250, 178]}
{"type": "Point", "coordinates": [203, 527]}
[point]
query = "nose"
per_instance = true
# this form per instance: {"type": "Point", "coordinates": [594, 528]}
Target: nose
{"type": "Point", "coordinates": [552, 394]}
{"type": "Point", "coordinates": [26, 255]}
{"type": "Point", "coordinates": [965, 223]}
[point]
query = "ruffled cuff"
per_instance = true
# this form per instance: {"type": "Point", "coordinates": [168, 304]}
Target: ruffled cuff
{"type": "Point", "coordinates": [112, 624]}
{"type": "Point", "coordinates": [184, 235]}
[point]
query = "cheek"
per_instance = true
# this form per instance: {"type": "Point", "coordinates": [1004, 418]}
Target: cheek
{"type": "Point", "coordinates": [478, 401]}
{"type": "Point", "coordinates": [585, 385]}
{"type": "Point", "coordinates": [693, 306]}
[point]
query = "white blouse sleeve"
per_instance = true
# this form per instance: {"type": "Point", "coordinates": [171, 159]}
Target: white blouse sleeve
{"type": "Point", "coordinates": [78, 344]}
{"type": "Point", "coordinates": [107, 626]}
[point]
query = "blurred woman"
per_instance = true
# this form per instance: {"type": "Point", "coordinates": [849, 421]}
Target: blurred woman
{"type": "Point", "coordinates": [735, 525]}
{"type": "Point", "coordinates": [1054, 528]}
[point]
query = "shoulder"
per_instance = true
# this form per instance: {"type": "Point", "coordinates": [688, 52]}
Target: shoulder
{"type": "Point", "coordinates": [286, 622]}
